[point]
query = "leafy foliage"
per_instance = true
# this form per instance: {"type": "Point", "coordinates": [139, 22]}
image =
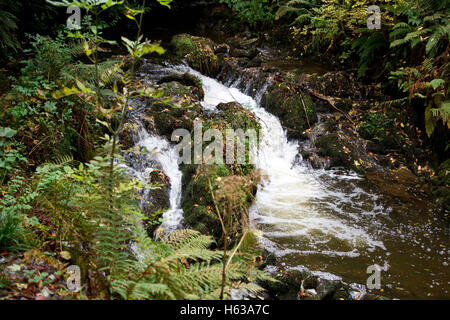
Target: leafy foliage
{"type": "Point", "coordinates": [255, 12]}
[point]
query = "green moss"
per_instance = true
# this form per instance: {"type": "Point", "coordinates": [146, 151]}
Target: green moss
{"type": "Point", "coordinates": [175, 89]}
{"type": "Point", "coordinates": [197, 202]}
{"type": "Point", "coordinates": [341, 154]}
{"type": "Point", "coordinates": [198, 53]}
{"type": "Point", "coordinates": [234, 116]}
{"type": "Point", "coordinates": [290, 106]}
{"type": "Point", "coordinates": [190, 81]}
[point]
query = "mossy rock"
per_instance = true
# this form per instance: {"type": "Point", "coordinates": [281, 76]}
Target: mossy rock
{"type": "Point", "coordinates": [163, 117]}
{"type": "Point", "coordinates": [237, 117]}
{"type": "Point", "coordinates": [244, 53]}
{"type": "Point", "coordinates": [197, 202]}
{"type": "Point", "coordinates": [336, 84]}
{"type": "Point", "coordinates": [175, 89]}
{"type": "Point", "coordinates": [200, 183]}
{"type": "Point", "coordinates": [198, 52]}
{"type": "Point", "coordinates": [341, 155]}
{"type": "Point", "coordinates": [289, 106]}
{"type": "Point", "coordinates": [169, 117]}
{"type": "Point", "coordinates": [127, 135]}
{"type": "Point", "coordinates": [158, 200]}
{"type": "Point", "coordinates": [194, 83]}
{"type": "Point", "coordinates": [234, 116]}
{"type": "Point", "coordinates": [331, 289]}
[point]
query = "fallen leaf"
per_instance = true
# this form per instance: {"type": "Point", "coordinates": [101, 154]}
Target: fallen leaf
{"type": "Point", "coordinates": [65, 255]}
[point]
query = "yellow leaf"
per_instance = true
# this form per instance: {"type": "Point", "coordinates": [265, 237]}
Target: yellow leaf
{"type": "Point", "coordinates": [65, 255]}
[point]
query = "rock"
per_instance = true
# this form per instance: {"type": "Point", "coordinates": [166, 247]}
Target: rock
{"type": "Point", "coordinates": [327, 289]}
{"type": "Point", "coordinates": [157, 200]}
{"type": "Point", "coordinates": [289, 106]}
{"type": "Point", "coordinates": [268, 259]}
{"type": "Point", "coordinates": [164, 117]}
{"type": "Point", "coordinates": [252, 80]}
{"type": "Point", "coordinates": [197, 202]}
{"type": "Point", "coordinates": [400, 183]}
{"type": "Point", "coordinates": [175, 90]}
{"type": "Point", "coordinates": [127, 135]}
{"type": "Point", "coordinates": [243, 44]}
{"type": "Point", "coordinates": [198, 53]}
{"type": "Point", "coordinates": [330, 145]}
{"type": "Point", "coordinates": [222, 49]}
{"type": "Point", "coordinates": [337, 84]}
{"type": "Point", "coordinates": [235, 116]}
{"type": "Point", "coordinates": [244, 53]}
{"type": "Point", "coordinates": [167, 117]}
{"type": "Point", "coordinates": [187, 80]}
{"type": "Point", "coordinates": [288, 284]}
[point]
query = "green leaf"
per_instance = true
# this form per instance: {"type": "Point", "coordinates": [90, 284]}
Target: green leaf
{"type": "Point", "coordinates": [430, 122]}
{"type": "Point", "coordinates": [7, 132]}
{"type": "Point", "coordinates": [436, 83]}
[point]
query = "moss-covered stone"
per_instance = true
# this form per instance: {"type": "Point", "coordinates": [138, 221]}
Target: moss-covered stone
{"type": "Point", "coordinates": [201, 183]}
{"type": "Point", "coordinates": [294, 109]}
{"type": "Point", "coordinates": [188, 80]}
{"type": "Point", "coordinates": [158, 200]}
{"type": "Point", "coordinates": [337, 84]}
{"type": "Point", "coordinates": [198, 53]}
{"type": "Point", "coordinates": [127, 135]}
{"type": "Point", "coordinates": [340, 153]}
{"type": "Point", "coordinates": [177, 109]}
{"type": "Point", "coordinates": [235, 116]}
{"type": "Point", "coordinates": [168, 117]}
{"type": "Point", "coordinates": [197, 202]}
{"type": "Point", "coordinates": [175, 89]}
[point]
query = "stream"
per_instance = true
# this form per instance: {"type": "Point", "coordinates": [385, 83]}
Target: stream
{"type": "Point", "coordinates": [329, 222]}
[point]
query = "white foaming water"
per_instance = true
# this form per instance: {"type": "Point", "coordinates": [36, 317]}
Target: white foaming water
{"type": "Point", "coordinates": [315, 219]}
{"type": "Point", "coordinates": [285, 205]}
{"type": "Point", "coordinates": [167, 156]}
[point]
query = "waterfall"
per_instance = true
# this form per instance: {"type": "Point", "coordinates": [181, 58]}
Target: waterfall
{"type": "Point", "coordinates": [166, 155]}
{"type": "Point", "coordinates": [325, 220]}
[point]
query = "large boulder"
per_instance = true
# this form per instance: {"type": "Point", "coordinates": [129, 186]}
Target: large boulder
{"type": "Point", "coordinates": [178, 108]}
{"type": "Point", "coordinates": [197, 201]}
{"type": "Point", "coordinates": [187, 80]}
{"type": "Point", "coordinates": [198, 52]}
{"type": "Point", "coordinates": [332, 145]}
{"type": "Point", "coordinates": [294, 108]}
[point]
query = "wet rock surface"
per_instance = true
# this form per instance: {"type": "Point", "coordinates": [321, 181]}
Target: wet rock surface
{"type": "Point", "coordinates": [295, 109]}
{"type": "Point", "coordinates": [344, 126]}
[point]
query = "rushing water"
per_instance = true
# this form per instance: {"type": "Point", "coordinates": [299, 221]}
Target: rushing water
{"type": "Point", "coordinates": [328, 222]}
